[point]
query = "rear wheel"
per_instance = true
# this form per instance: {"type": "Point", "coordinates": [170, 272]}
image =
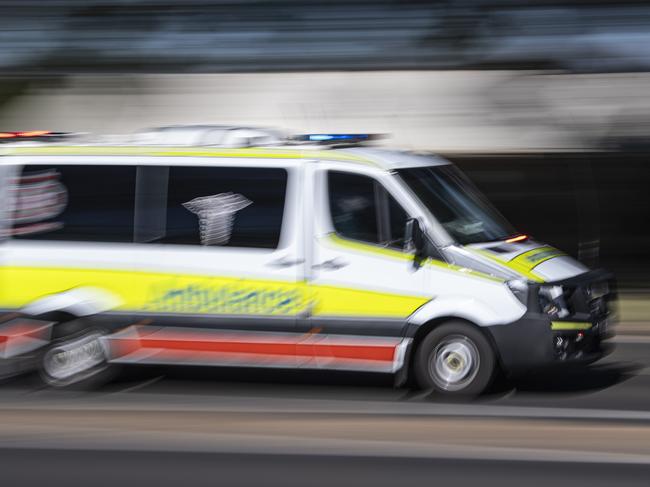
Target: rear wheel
{"type": "Point", "coordinates": [455, 359]}
{"type": "Point", "coordinates": [76, 358]}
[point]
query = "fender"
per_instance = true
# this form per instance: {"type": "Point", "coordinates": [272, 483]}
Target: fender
{"type": "Point", "coordinates": [80, 301]}
{"type": "Point", "coordinates": [468, 308]}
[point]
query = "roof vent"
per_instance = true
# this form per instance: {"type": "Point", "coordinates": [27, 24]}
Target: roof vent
{"type": "Point", "coordinates": [208, 136]}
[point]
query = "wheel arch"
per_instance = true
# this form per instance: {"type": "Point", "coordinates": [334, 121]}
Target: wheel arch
{"type": "Point", "coordinates": [76, 302]}
{"type": "Point", "coordinates": [417, 333]}
{"type": "Point", "coordinates": [67, 308]}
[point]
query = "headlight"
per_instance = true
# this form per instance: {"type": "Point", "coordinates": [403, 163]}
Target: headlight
{"type": "Point", "coordinates": [519, 288]}
{"type": "Point", "coordinates": [551, 301]}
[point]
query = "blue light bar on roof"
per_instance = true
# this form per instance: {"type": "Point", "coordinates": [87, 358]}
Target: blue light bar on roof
{"type": "Point", "coordinates": [336, 138]}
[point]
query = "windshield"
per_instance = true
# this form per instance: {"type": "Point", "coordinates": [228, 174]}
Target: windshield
{"type": "Point", "coordinates": [457, 204]}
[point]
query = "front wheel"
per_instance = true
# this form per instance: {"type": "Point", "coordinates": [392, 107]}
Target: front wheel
{"type": "Point", "coordinates": [455, 359]}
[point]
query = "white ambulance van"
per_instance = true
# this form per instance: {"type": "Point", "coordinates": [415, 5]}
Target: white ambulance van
{"type": "Point", "coordinates": [318, 253]}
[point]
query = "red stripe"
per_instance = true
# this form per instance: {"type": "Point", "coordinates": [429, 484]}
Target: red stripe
{"type": "Point", "coordinates": [18, 329]}
{"type": "Point", "coordinates": [181, 356]}
{"type": "Point", "coordinates": [215, 346]}
{"type": "Point", "coordinates": [242, 344]}
{"type": "Point", "coordinates": [17, 332]}
{"type": "Point", "coordinates": [363, 352]}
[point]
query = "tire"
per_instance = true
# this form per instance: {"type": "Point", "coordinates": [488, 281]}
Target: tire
{"type": "Point", "coordinates": [455, 359]}
{"type": "Point", "coordinates": [76, 358]}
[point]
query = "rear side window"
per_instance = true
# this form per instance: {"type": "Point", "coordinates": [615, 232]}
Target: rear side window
{"type": "Point", "coordinates": [75, 203]}
{"type": "Point", "coordinates": [211, 206]}
{"type": "Point", "coordinates": [363, 210]}
{"type": "Point", "coordinates": [216, 206]}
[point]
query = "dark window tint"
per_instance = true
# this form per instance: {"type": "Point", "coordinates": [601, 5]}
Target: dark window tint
{"type": "Point", "coordinates": [397, 219]}
{"type": "Point", "coordinates": [353, 206]}
{"type": "Point", "coordinates": [457, 204]}
{"type": "Point", "coordinates": [79, 203]}
{"type": "Point", "coordinates": [362, 209]}
{"type": "Point", "coordinates": [236, 207]}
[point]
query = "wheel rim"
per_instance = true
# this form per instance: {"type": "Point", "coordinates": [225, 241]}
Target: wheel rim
{"type": "Point", "coordinates": [454, 363]}
{"type": "Point", "coordinates": [74, 360]}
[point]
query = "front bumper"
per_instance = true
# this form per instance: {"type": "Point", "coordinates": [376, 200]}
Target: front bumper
{"type": "Point", "coordinates": [534, 341]}
{"type": "Point", "coordinates": [531, 343]}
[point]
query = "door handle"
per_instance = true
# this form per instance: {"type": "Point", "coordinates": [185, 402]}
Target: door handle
{"type": "Point", "coordinates": [332, 264]}
{"type": "Point", "coordinates": [283, 262]}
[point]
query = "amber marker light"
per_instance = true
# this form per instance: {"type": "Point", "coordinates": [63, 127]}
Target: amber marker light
{"type": "Point", "coordinates": [518, 238]}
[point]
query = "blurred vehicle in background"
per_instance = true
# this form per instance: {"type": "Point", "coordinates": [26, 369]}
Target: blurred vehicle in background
{"type": "Point", "coordinates": [317, 253]}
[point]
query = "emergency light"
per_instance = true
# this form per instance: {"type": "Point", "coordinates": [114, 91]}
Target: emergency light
{"type": "Point", "coordinates": [336, 138]}
{"type": "Point", "coordinates": [32, 135]}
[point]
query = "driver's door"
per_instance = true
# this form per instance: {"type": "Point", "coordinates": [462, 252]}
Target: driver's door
{"type": "Point", "coordinates": [363, 283]}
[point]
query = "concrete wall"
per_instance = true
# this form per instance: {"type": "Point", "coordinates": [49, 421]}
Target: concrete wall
{"type": "Point", "coordinates": [434, 110]}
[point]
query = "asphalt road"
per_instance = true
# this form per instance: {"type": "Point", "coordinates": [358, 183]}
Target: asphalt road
{"type": "Point", "coordinates": [165, 426]}
{"type": "Point", "coordinates": [207, 469]}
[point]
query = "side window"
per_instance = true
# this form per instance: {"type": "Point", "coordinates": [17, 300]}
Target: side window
{"type": "Point", "coordinates": [362, 209]}
{"type": "Point", "coordinates": [353, 206]}
{"type": "Point", "coordinates": [216, 206]}
{"type": "Point", "coordinates": [90, 203]}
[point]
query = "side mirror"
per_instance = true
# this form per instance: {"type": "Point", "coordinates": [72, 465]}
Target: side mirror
{"type": "Point", "coordinates": [414, 240]}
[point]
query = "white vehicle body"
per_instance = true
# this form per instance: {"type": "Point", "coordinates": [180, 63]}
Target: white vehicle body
{"type": "Point", "coordinates": [313, 298]}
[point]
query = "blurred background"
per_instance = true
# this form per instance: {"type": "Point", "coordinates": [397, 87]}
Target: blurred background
{"type": "Point", "coordinates": [544, 103]}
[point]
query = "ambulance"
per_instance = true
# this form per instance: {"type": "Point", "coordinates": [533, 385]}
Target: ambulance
{"type": "Point", "coordinates": [318, 251]}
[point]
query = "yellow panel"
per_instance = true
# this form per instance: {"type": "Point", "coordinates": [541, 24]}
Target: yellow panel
{"type": "Point", "coordinates": [533, 258]}
{"type": "Point", "coordinates": [156, 292]}
{"type": "Point", "coordinates": [334, 301]}
{"type": "Point", "coordinates": [153, 151]}
{"type": "Point", "coordinates": [525, 263]}
{"type": "Point", "coordinates": [400, 255]}
{"type": "Point", "coordinates": [197, 294]}
{"type": "Point", "coordinates": [23, 285]}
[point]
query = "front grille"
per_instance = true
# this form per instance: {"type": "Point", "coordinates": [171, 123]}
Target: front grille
{"type": "Point", "coordinates": [589, 298]}
{"type": "Point", "coordinates": [598, 308]}
{"type": "Point", "coordinates": [589, 301]}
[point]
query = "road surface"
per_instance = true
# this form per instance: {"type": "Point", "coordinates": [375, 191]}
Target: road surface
{"type": "Point", "coordinates": [163, 426]}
